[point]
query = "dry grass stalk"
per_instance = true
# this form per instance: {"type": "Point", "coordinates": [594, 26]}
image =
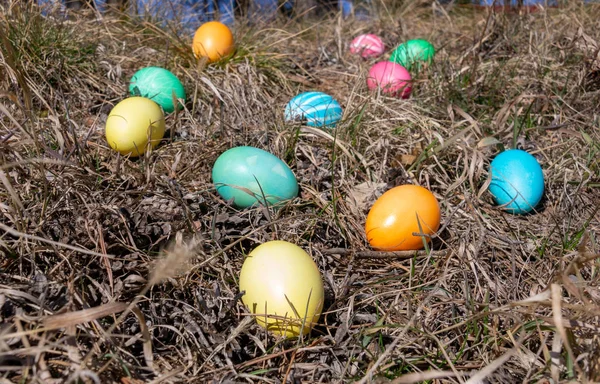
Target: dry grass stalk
{"type": "Point", "coordinates": [69, 319]}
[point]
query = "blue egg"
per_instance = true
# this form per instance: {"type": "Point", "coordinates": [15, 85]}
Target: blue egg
{"type": "Point", "coordinates": [517, 181]}
{"type": "Point", "coordinates": [316, 109]}
{"type": "Point", "coordinates": [249, 175]}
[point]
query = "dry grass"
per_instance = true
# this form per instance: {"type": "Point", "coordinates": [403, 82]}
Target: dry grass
{"type": "Point", "coordinates": [118, 270]}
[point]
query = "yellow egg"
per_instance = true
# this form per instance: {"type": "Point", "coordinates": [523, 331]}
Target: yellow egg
{"type": "Point", "coordinates": [131, 122]}
{"type": "Point", "coordinates": [283, 287]}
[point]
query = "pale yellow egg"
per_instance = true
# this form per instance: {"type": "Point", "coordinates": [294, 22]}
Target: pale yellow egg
{"type": "Point", "coordinates": [283, 288]}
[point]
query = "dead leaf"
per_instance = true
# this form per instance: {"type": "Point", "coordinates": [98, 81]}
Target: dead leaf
{"type": "Point", "coordinates": [406, 159]}
{"type": "Point", "coordinates": [359, 194]}
{"type": "Point", "coordinates": [487, 141]}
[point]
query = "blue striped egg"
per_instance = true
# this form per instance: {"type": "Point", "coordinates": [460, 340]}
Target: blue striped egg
{"type": "Point", "coordinates": [316, 109]}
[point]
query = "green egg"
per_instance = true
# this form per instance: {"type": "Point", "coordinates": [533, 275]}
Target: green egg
{"type": "Point", "coordinates": [413, 52]}
{"type": "Point", "coordinates": [157, 84]}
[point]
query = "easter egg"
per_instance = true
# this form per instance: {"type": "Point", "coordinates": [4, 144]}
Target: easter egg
{"type": "Point", "coordinates": [400, 212]}
{"type": "Point", "coordinates": [517, 181]}
{"type": "Point", "coordinates": [249, 175]}
{"type": "Point", "coordinates": [157, 84]}
{"type": "Point", "coordinates": [367, 45]}
{"type": "Point", "coordinates": [131, 123]}
{"type": "Point", "coordinates": [213, 40]}
{"type": "Point", "coordinates": [283, 288]}
{"type": "Point", "coordinates": [393, 79]}
{"type": "Point", "coordinates": [315, 109]}
{"type": "Point", "coordinates": [412, 52]}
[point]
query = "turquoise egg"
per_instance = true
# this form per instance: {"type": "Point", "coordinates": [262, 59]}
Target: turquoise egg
{"type": "Point", "coordinates": [249, 175]}
{"type": "Point", "coordinates": [315, 109]}
{"type": "Point", "coordinates": [159, 85]}
{"type": "Point", "coordinates": [517, 181]}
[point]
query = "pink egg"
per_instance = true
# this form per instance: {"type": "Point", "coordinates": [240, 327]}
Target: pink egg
{"type": "Point", "coordinates": [367, 45]}
{"type": "Point", "coordinates": [392, 78]}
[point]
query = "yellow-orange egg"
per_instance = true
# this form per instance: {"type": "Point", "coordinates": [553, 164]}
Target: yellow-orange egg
{"type": "Point", "coordinates": [397, 214]}
{"type": "Point", "coordinates": [283, 288]}
{"type": "Point", "coordinates": [213, 40]}
{"type": "Point", "coordinates": [131, 123]}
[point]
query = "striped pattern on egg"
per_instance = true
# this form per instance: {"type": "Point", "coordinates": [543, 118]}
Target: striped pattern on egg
{"type": "Point", "coordinates": [315, 109]}
{"type": "Point", "coordinates": [368, 45]}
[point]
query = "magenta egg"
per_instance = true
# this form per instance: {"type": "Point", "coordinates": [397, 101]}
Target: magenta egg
{"type": "Point", "coordinates": [367, 45]}
{"type": "Point", "coordinates": [392, 78]}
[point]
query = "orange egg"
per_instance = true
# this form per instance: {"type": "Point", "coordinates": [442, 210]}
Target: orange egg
{"type": "Point", "coordinates": [396, 215]}
{"type": "Point", "coordinates": [212, 40]}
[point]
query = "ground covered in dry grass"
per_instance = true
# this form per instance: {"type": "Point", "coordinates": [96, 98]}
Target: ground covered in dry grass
{"type": "Point", "coordinates": [125, 270]}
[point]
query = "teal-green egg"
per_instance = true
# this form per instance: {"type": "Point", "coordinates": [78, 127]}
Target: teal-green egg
{"type": "Point", "coordinates": [250, 175]}
{"type": "Point", "coordinates": [157, 84]}
{"type": "Point", "coordinates": [413, 52]}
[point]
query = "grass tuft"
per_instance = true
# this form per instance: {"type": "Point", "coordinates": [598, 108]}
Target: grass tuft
{"type": "Point", "coordinates": [126, 270]}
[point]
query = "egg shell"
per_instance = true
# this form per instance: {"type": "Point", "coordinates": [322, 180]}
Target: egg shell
{"type": "Point", "coordinates": [213, 40]}
{"type": "Point", "coordinates": [129, 123]}
{"type": "Point", "coordinates": [517, 181]}
{"type": "Point", "coordinates": [315, 109]}
{"type": "Point", "coordinates": [367, 45]}
{"type": "Point", "coordinates": [245, 173]}
{"type": "Point", "coordinates": [392, 219]}
{"type": "Point", "coordinates": [393, 79]}
{"type": "Point", "coordinates": [159, 85]}
{"type": "Point", "coordinates": [413, 52]}
{"type": "Point", "coordinates": [280, 279]}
